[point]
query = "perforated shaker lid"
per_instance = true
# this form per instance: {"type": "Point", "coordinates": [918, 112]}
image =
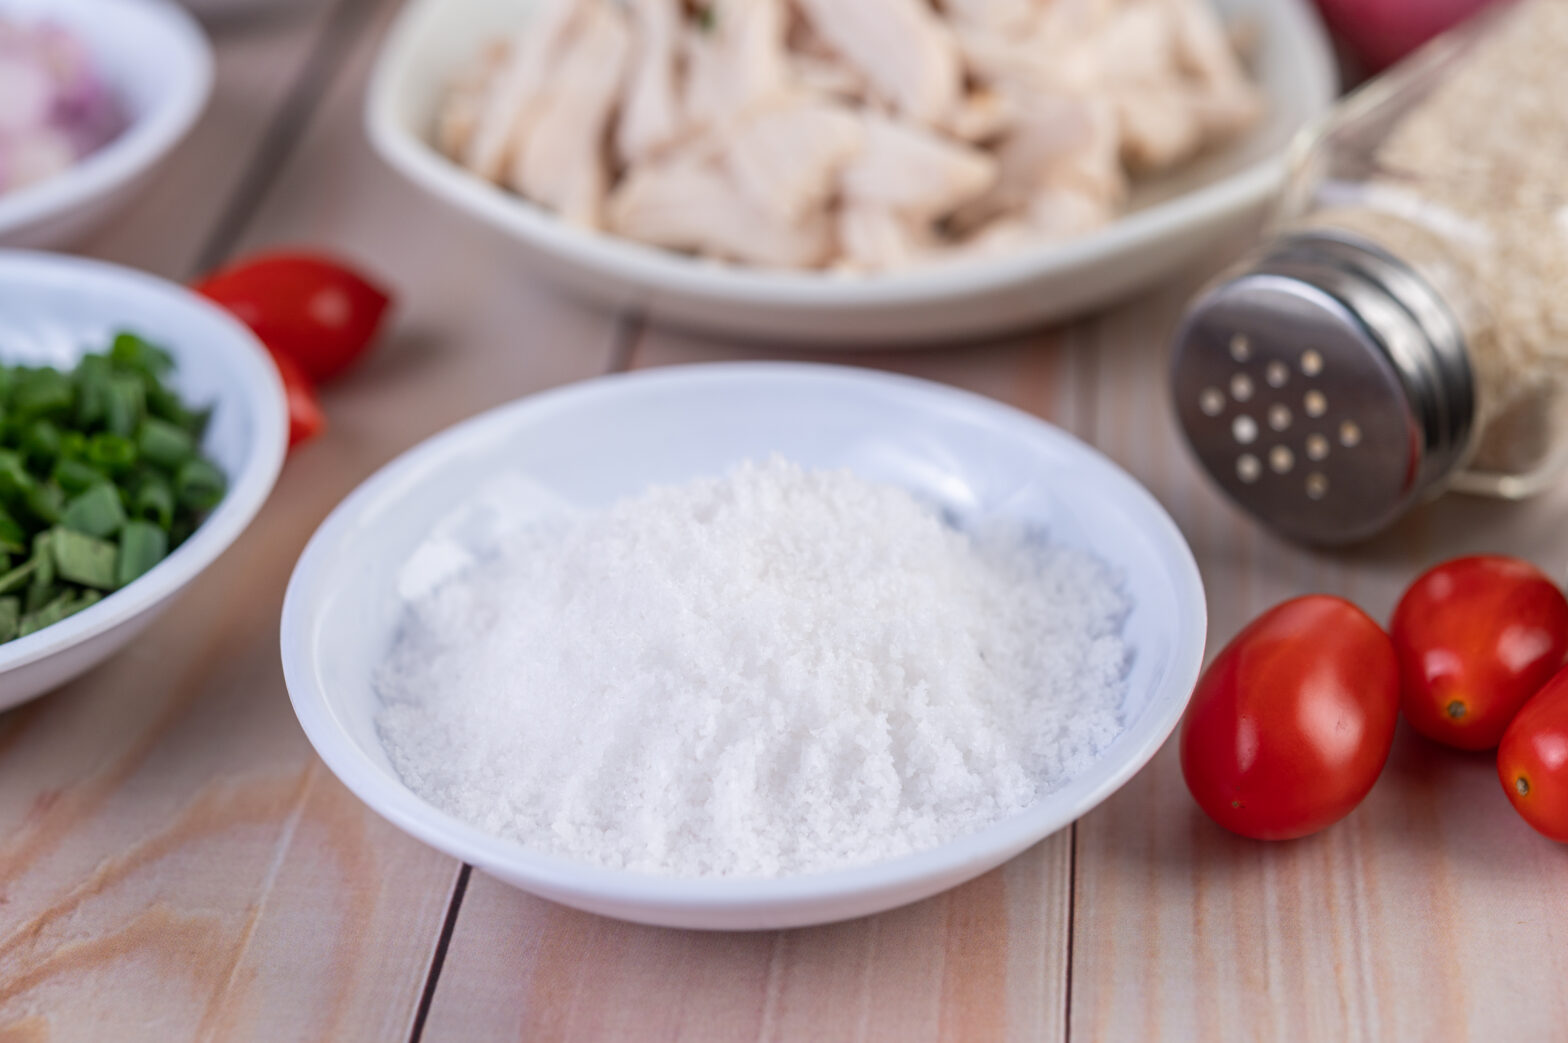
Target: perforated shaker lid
{"type": "Point", "coordinates": [1325, 387]}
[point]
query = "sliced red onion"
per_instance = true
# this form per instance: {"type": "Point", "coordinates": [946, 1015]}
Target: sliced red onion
{"type": "Point", "coordinates": [54, 107]}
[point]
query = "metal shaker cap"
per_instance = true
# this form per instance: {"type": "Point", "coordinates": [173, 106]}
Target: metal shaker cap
{"type": "Point", "coordinates": [1325, 386]}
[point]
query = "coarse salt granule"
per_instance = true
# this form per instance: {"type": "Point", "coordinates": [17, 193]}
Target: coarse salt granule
{"type": "Point", "coordinates": [774, 672]}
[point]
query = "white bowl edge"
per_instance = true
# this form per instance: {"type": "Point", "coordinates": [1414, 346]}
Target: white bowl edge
{"type": "Point", "coordinates": [706, 903]}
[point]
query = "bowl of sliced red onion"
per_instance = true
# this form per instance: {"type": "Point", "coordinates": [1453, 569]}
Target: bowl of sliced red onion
{"type": "Point", "coordinates": [93, 96]}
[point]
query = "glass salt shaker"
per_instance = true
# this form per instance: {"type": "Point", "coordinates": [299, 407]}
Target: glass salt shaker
{"type": "Point", "coordinates": [1404, 330]}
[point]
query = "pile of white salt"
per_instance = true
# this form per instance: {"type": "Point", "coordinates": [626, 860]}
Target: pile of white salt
{"type": "Point", "coordinates": [773, 672]}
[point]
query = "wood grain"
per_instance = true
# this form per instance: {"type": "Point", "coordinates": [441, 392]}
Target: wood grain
{"type": "Point", "coordinates": [166, 229]}
{"type": "Point", "coordinates": [984, 961]}
{"type": "Point", "coordinates": [1425, 915]}
{"type": "Point", "coordinates": [177, 864]}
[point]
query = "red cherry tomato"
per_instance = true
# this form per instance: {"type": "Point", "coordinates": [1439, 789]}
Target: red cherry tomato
{"type": "Point", "coordinates": [306, 419]}
{"type": "Point", "coordinates": [1381, 32]}
{"type": "Point", "coordinates": [1532, 761]}
{"type": "Point", "coordinates": [1476, 637]}
{"type": "Point", "coordinates": [317, 312]}
{"type": "Point", "coordinates": [1291, 724]}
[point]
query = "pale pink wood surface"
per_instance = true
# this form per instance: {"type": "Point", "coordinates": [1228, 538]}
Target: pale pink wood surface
{"type": "Point", "coordinates": [176, 863]}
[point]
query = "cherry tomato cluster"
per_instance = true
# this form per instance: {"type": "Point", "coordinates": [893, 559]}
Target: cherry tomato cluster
{"type": "Point", "coordinates": [316, 316]}
{"type": "Point", "coordinates": [1292, 723]}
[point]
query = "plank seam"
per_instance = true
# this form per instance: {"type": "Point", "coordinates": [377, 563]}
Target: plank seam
{"type": "Point", "coordinates": [1072, 917]}
{"type": "Point", "coordinates": [438, 958]}
{"type": "Point", "coordinates": [285, 131]}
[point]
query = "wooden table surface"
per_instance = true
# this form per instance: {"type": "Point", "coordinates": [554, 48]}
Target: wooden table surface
{"type": "Point", "coordinates": [175, 863]}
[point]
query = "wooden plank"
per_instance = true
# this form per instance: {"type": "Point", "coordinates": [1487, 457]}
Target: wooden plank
{"type": "Point", "coordinates": [176, 862]}
{"type": "Point", "coordinates": [984, 961]}
{"type": "Point", "coordinates": [165, 229]}
{"type": "Point", "coordinates": [1427, 914]}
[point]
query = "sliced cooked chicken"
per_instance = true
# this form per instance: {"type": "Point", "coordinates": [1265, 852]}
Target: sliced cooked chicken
{"type": "Point", "coordinates": [1175, 82]}
{"type": "Point", "coordinates": [1224, 113]}
{"type": "Point", "coordinates": [1059, 141]}
{"type": "Point", "coordinates": [981, 116]}
{"type": "Point", "coordinates": [1137, 44]}
{"type": "Point", "coordinates": [1062, 213]}
{"type": "Point", "coordinates": [786, 158]}
{"type": "Point", "coordinates": [1226, 103]}
{"type": "Point", "coordinates": [1056, 50]}
{"type": "Point", "coordinates": [510, 110]}
{"type": "Point", "coordinates": [906, 52]}
{"type": "Point", "coordinates": [854, 134]}
{"type": "Point", "coordinates": [686, 203]}
{"type": "Point", "coordinates": [826, 76]}
{"type": "Point", "coordinates": [915, 172]}
{"type": "Point", "coordinates": [465, 103]}
{"type": "Point", "coordinates": [734, 58]}
{"type": "Point", "coordinates": [1002, 236]}
{"type": "Point", "coordinates": [875, 239]}
{"type": "Point", "coordinates": [1159, 126]}
{"type": "Point", "coordinates": [650, 117]}
{"type": "Point", "coordinates": [1202, 46]}
{"type": "Point", "coordinates": [1003, 15]}
{"type": "Point", "coordinates": [561, 161]}
{"type": "Point", "coordinates": [1023, 63]}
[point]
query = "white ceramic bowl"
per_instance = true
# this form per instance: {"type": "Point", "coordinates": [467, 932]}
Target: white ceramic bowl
{"type": "Point", "coordinates": [1171, 219]}
{"type": "Point", "coordinates": [155, 58]}
{"type": "Point", "coordinates": [595, 442]}
{"type": "Point", "coordinates": [52, 309]}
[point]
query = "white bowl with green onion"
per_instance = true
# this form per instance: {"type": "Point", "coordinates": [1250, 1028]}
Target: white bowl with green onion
{"type": "Point", "coordinates": [104, 542]}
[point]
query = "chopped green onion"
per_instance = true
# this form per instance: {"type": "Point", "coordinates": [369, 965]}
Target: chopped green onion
{"type": "Point", "coordinates": [13, 538]}
{"type": "Point", "coordinates": [74, 476]}
{"type": "Point", "coordinates": [154, 502]}
{"type": "Point", "coordinates": [96, 512]}
{"type": "Point", "coordinates": [199, 485]}
{"type": "Point", "coordinates": [42, 560]}
{"type": "Point", "coordinates": [45, 502]}
{"type": "Point", "coordinates": [142, 545]}
{"type": "Point", "coordinates": [41, 392]}
{"type": "Point", "coordinates": [132, 353]}
{"type": "Point", "coordinates": [18, 577]}
{"type": "Point", "coordinates": [111, 452]}
{"type": "Point", "coordinates": [83, 559]}
{"type": "Point", "coordinates": [10, 617]}
{"type": "Point", "coordinates": [163, 444]}
{"type": "Point", "coordinates": [41, 443]}
{"type": "Point", "coordinates": [15, 482]}
{"type": "Point", "coordinates": [126, 405]}
{"type": "Point", "coordinates": [101, 476]}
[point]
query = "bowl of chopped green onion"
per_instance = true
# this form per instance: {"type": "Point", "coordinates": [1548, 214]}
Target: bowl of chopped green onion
{"type": "Point", "coordinates": [141, 429]}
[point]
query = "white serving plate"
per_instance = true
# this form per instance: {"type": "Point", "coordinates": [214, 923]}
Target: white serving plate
{"type": "Point", "coordinates": [54, 308]}
{"type": "Point", "coordinates": [154, 56]}
{"type": "Point", "coordinates": [1172, 219]}
{"type": "Point", "coordinates": [595, 442]}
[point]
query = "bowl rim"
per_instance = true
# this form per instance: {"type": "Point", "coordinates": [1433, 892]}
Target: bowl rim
{"type": "Point", "coordinates": [786, 900]}
{"type": "Point", "coordinates": [248, 488]}
{"type": "Point", "coordinates": [150, 136]}
{"type": "Point", "coordinates": [660, 270]}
